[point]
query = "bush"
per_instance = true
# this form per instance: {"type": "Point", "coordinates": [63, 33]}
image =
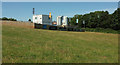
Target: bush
{"type": "Point", "coordinates": [9, 19]}
{"type": "Point", "coordinates": [103, 30]}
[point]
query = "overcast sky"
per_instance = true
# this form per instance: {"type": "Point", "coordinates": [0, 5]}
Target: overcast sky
{"type": "Point", "coordinates": [60, 0]}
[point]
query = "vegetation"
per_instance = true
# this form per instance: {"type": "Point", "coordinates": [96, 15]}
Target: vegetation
{"type": "Point", "coordinates": [29, 20]}
{"type": "Point", "coordinates": [98, 19]}
{"type": "Point", "coordinates": [9, 19]}
{"type": "Point", "coordinates": [108, 30]}
{"type": "Point", "coordinates": [25, 45]}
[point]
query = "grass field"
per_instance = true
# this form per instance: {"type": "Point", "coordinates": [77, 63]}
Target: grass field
{"type": "Point", "coordinates": [23, 44]}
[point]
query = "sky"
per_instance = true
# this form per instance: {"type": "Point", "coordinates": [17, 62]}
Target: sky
{"type": "Point", "coordinates": [23, 10]}
{"type": "Point", "coordinates": [0, 9]}
{"type": "Point", "coordinates": [60, 0]}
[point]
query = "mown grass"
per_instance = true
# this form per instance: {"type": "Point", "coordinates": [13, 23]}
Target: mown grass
{"type": "Point", "coordinates": [26, 45]}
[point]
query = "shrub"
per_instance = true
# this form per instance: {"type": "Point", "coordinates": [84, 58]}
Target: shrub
{"type": "Point", "coordinates": [103, 30]}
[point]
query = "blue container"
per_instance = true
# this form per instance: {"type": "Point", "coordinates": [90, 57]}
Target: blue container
{"type": "Point", "coordinates": [44, 26]}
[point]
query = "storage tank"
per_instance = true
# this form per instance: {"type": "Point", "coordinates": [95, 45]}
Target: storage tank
{"type": "Point", "coordinates": [59, 20]}
{"type": "Point", "coordinates": [65, 20]}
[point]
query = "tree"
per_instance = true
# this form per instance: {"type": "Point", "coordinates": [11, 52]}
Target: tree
{"type": "Point", "coordinates": [29, 20]}
{"type": "Point", "coordinates": [4, 18]}
{"type": "Point", "coordinates": [98, 19]}
{"type": "Point", "coordinates": [116, 19]}
{"type": "Point", "coordinates": [9, 19]}
{"type": "Point", "coordinates": [73, 21]}
{"type": "Point", "coordinates": [12, 19]}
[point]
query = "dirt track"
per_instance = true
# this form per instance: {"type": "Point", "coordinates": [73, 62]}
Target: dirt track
{"type": "Point", "coordinates": [17, 23]}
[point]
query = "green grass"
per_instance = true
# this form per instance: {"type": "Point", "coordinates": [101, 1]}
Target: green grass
{"type": "Point", "coordinates": [25, 45]}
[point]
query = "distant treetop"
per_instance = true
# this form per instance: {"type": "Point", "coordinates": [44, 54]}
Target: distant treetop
{"type": "Point", "coordinates": [9, 19]}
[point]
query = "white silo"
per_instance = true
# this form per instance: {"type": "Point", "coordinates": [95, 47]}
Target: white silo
{"type": "Point", "coordinates": [59, 20]}
{"type": "Point", "coordinates": [65, 21]}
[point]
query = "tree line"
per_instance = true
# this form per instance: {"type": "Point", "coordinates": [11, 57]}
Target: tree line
{"type": "Point", "coordinates": [98, 19]}
{"type": "Point", "coordinates": [9, 19]}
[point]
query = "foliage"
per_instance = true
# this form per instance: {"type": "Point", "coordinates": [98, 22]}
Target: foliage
{"type": "Point", "coordinates": [108, 30]}
{"type": "Point", "coordinates": [99, 19]}
{"type": "Point", "coordinates": [9, 19]}
{"type": "Point", "coordinates": [29, 20]}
